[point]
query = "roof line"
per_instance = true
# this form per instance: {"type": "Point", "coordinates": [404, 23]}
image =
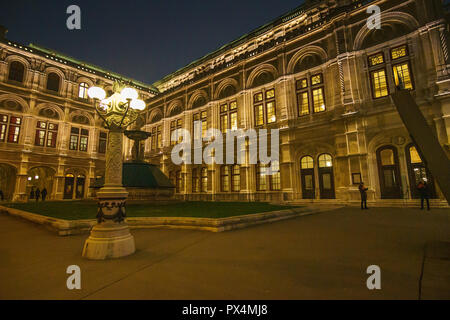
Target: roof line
{"type": "Point", "coordinates": [270, 25]}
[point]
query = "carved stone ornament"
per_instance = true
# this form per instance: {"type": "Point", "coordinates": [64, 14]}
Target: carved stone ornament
{"type": "Point", "coordinates": [113, 210]}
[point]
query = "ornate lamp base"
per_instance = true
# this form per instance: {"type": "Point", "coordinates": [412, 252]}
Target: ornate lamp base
{"type": "Point", "coordinates": [111, 237]}
{"type": "Point", "coordinates": [109, 240]}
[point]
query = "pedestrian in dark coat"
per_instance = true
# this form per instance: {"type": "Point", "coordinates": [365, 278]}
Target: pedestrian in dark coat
{"type": "Point", "coordinates": [32, 193]}
{"type": "Point", "coordinates": [424, 192]}
{"type": "Point", "coordinates": [2, 197]}
{"type": "Point", "coordinates": [44, 194]}
{"type": "Point", "coordinates": [38, 194]}
{"type": "Point", "coordinates": [363, 190]}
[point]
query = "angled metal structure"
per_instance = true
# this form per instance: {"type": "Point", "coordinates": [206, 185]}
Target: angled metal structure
{"type": "Point", "coordinates": [426, 141]}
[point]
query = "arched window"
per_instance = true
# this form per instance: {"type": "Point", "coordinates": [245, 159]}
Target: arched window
{"type": "Point", "coordinates": [307, 162]}
{"type": "Point", "coordinates": [53, 82]}
{"type": "Point", "coordinates": [325, 161]}
{"type": "Point", "coordinates": [389, 173]}
{"type": "Point", "coordinates": [16, 71]}
{"type": "Point", "coordinates": [204, 178]}
{"type": "Point", "coordinates": [82, 90]}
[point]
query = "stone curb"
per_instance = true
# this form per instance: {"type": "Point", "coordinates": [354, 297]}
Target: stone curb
{"type": "Point", "coordinates": [68, 227]}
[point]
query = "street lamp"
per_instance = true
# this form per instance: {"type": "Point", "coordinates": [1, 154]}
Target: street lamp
{"type": "Point", "coordinates": [111, 237]}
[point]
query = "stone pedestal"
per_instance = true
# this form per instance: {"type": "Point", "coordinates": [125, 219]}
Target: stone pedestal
{"type": "Point", "coordinates": [111, 237]}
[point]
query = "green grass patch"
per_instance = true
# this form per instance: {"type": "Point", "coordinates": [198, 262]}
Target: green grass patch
{"type": "Point", "coordinates": [77, 210]}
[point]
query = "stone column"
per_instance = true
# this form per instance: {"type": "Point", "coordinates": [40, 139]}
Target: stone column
{"type": "Point", "coordinates": [111, 237]}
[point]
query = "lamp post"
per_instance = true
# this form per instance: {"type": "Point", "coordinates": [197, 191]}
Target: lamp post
{"type": "Point", "coordinates": [111, 237]}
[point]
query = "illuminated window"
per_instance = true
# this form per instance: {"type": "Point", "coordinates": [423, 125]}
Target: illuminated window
{"type": "Point", "coordinates": [379, 84]}
{"type": "Point", "coordinates": [265, 110]}
{"type": "Point", "coordinates": [203, 117]}
{"type": "Point", "coordinates": [259, 115]}
{"type": "Point", "coordinates": [302, 84]}
{"type": "Point", "coordinates": [204, 182]}
{"type": "Point", "coordinates": [316, 79]}
{"type": "Point", "coordinates": [10, 128]}
{"type": "Point", "coordinates": [325, 161]}
{"type": "Point", "coordinates": [174, 126]}
{"type": "Point", "coordinates": [16, 71]}
{"type": "Point", "coordinates": [402, 75]}
{"type": "Point", "coordinates": [236, 178]}
{"type": "Point", "coordinates": [78, 139]}
{"type": "Point", "coordinates": [225, 178]}
{"type": "Point", "coordinates": [83, 90]}
{"type": "Point", "coordinates": [318, 100]}
{"type": "Point", "coordinates": [159, 137]}
{"type": "Point", "coordinates": [303, 103]}
{"type": "Point", "coordinates": [178, 182]}
{"type": "Point", "coordinates": [414, 155]}
{"type": "Point", "coordinates": [399, 52]}
{"type": "Point", "coordinates": [315, 93]}
{"type": "Point", "coordinates": [261, 183]}
{"type": "Point", "coordinates": [195, 181]}
{"type": "Point", "coordinates": [307, 162]}
{"type": "Point", "coordinates": [228, 117]}
{"type": "Point", "coordinates": [376, 59]}
{"type": "Point", "coordinates": [46, 134]}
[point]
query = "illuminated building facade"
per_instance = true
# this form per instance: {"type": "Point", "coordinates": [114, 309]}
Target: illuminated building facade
{"type": "Point", "coordinates": [318, 74]}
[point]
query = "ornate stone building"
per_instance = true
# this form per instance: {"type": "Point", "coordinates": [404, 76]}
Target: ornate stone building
{"type": "Point", "coordinates": [50, 135]}
{"type": "Point", "coordinates": [322, 77]}
{"type": "Point", "coordinates": [318, 74]}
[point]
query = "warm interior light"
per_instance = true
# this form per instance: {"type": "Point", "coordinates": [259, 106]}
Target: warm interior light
{"type": "Point", "coordinates": [96, 93]}
{"type": "Point", "coordinates": [129, 93]}
{"type": "Point", "coordinates": [137, 104]}
{"type": "Point", "coordinates": [36, 177]}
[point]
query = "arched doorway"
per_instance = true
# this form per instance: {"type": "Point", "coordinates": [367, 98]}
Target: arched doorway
{"type": "Point", "coordinates": [7, 180]}
{"type": "Point", "coordinates": [307, 177]}
{"type": "Point", "coordinates": [389, 173]}
{"type": "Point", "coordinates": [41, 177]}
{"type": "Point", "coordinates": [418, 172]}
{"type": "Point", "coordinates": [326, 177]}
{"type": "Point", "coordinates": [74, 186]}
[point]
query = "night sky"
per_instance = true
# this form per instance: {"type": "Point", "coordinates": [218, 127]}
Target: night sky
{"type": "Point", "coordinates": [142, 39]}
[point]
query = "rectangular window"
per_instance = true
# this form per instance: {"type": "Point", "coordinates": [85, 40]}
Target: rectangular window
{"type": "Point", "coordinates": [271, 113]}
{"type": "Point", "coordinates": [236, 179]}
{"type": "Point", "coordinates": [46, 134]}
{"type": "Point", "coordinates": [228, 117]}
{"type": "Point", "coordinates": [376, 59]}
{"type": "Point", "coordinates": [154, 138]}
{"type": "Point", "coordinates": [275, 178]}
{"type": "Point", "coordinates": [102, 141]}
{"type": "Point", "coordinates": [225, 178]}
{"type": "Point", "coordinates": [224, 123]}
{"type": "Point", "coordinates": [195, 181]}
{"type": "Point", "coordinates": [402, 75]}
{"type": "Point", "coordinates": [302, 84]}
{"type": "Point", "coordinates": [259, 115]}
{"type": "Point", "coordinates": [174, 126]}
{"type": "Point", "coordinates": [261, 183]}
{"type": "Point", "coordinates": [399, 52]}
{"type": "Point", "coordinates": [14, 129]}
{"type": "Point", "coordinates": [258, 97]}
{"type": "Point", "coordinates": [316, 79]}
{"type": "Point", "coordinates": [78, 139]}
{"type": "Point", "coordinates": [159, 137]}
{"type": "Point", "coordinates": [379, 84]}
{"type": "Point", "coordinates": [203, 117]}
{"type": "Point", "coordinates": [318, 100]}
{"type": "Point", "coordinates": [303, 103]}
{"type": "Point", "coordinates": [3, 126]}
{"type": "Point", "coordinates": [233, 121]}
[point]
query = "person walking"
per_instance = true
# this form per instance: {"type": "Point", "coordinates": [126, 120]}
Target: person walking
{"type": "Point", "coordinates": [422, 187]}
{"type": "Point", "coordinates": [44, 194]}
{"type": "Point", "coordinates": [32, 193]}
{"type": "Point", "coordinates": [38, 194]}
{"type": "Point", "coordinates": [363, 190]}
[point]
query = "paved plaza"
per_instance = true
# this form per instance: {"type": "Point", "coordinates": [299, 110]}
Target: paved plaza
{"type": "Point", "coordinates": [322, 256]}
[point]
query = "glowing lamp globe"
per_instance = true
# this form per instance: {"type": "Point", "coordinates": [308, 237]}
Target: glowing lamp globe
{"type": "Point", "coordinates": [137, 104]}
{"type": "Point", "coordinates": [129, 94]}
{"type": "Point", "coordinates": [96, 93]}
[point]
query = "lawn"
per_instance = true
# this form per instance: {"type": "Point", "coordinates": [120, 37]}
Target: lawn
{"type": "Point", "coordinates": [75, 210]}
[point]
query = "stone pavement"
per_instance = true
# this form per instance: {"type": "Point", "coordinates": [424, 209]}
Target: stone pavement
{"type": "Point", "coordinates": [323, 256]}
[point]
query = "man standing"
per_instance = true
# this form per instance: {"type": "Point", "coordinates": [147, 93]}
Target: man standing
{"type": "Point", "coordinates": [424, 194]}
{"type": "Point", "coordinates": [38, 194]}
{"type": "Point", "coordinates": [363, 190]}
{"type": "Point", "coordinates": [44, 194]}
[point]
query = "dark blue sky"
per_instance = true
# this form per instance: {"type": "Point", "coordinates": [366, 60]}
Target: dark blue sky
{"type": "Point", "coordinates": [142, 39]}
